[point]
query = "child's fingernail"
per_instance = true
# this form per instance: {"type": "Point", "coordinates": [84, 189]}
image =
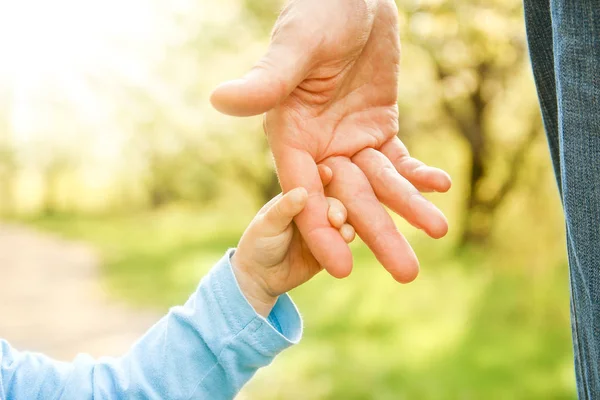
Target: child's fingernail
{"type": "Point", "coordinates": [298, 195]}
{"type": "Point", "coordinates": [338, 216]}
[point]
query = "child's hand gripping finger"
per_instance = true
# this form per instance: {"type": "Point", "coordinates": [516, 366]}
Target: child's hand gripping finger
{"type": "Point", "coordinates": [272, 257]}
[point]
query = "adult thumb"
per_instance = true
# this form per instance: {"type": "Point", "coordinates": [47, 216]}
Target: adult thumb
{"type": "Point", "coordinates": [268, 83]}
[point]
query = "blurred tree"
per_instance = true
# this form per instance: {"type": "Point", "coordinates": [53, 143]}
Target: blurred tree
{"type": "Point", "coordinates": [159, 147]}
{"type": "Point", "coordinates": [477, 55]}
{"type": "Point", "coordinates": [478, 58]}
{"type": "Point", "coordinates": [181, 176]}
{"type": "Point", "coordinates": [52, 170]}
{"type": "Point", "coordinates": [8, 161]}
{"type": "Point", "coordinates": [248, 160]}
{"type": "Point", "coordinates": [467, 75]}
{"type": "Point", "coordinates": [55, 150]}
{"type": "Point", "coordinates": [176, 162]}
{"type": "Point", "coordinates": [8, 171]}
{"type": "Point", "coordinates": [179, 160]}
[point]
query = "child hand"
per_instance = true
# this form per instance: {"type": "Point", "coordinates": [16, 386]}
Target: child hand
{"type": "Point", "coordinates": [272, 258]}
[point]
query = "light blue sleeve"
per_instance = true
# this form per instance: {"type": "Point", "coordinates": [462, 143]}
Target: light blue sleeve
{"type": "Point", "coordinates": [207, 349]}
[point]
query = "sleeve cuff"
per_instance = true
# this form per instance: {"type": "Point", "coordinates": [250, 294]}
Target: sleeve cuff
{"type": "Point", "coordinates": [269, 336]}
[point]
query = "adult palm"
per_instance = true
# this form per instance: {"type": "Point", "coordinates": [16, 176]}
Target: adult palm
{"type": "Point", "coordinates": [328, 85]}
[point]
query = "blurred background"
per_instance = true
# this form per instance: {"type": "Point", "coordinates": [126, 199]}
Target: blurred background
{"type": "Point", "coordinates": [113, 163]}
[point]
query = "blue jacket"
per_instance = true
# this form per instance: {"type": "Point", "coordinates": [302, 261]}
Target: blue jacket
{"type": "Point", "coordinates": [206, 349]}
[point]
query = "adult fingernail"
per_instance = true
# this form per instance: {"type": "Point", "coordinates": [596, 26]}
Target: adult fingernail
{"type": "Point", "coordinates": [429, 217]}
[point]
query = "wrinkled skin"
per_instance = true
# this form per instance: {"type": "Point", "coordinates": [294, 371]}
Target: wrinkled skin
{"type": "Point", "coordinates": [328, 86]}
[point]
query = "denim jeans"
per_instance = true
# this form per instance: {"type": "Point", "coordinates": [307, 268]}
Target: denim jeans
{"type": "Point", "coordinates": [564, 45]}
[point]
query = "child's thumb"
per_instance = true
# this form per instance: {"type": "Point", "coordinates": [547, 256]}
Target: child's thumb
{"type": "Point", "coordinates": [282, 212]}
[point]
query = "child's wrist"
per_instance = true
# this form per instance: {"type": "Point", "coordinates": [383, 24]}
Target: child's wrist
{"type": "Point", "coordinates": [252, 287]}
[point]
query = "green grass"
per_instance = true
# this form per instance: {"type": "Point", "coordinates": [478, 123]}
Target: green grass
{"type": "Point", "coordinates": [479, 325]}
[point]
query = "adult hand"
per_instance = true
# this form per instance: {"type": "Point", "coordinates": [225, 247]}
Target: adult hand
{"type": "Point", "coordinates": [328, 85]}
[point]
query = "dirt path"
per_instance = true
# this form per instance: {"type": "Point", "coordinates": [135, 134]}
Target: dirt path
{"type": "Point", "coordinates": [51, 299]}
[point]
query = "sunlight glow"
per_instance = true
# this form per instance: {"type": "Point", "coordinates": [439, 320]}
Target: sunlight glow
{"type": "Point", "coordinates": [51, 50]}
{"type": "Point", "coordinates": [38, 36]}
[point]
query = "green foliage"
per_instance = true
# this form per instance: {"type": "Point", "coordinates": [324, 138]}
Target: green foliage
{"type": "Point", "coordinates": [490, 323]}
{"type": "Point", "coordinates": [474, 83]}
{"type": "Point", "coordinates": [263, 12]}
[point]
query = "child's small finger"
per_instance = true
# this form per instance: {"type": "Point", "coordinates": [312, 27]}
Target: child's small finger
{"type": "Point", "coordinates": [337, 212]}
{"type": "Point", "coordinates": [282, 212]}
{"type": "Point", "coordinates": [325, 173]}
{"type": "Point", "coordinates": [348, 233]}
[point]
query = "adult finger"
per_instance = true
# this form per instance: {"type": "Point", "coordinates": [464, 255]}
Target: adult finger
{"type": "Point", "coordinates": [422, 176]}
{"type": "Point", "coordinates": [371, 221]}
{"type": "Point", "coordinates": [296, 168]}
{"type": "Point", "coordinates": [279, 216]}
{"type": "Point", "coordinates": [337, 212]}
{"type": "Point", "coordinates": [399, 194]}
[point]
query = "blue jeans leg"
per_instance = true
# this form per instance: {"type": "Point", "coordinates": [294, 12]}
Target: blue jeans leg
{"type": "Point", "coordinates": [564, 44]}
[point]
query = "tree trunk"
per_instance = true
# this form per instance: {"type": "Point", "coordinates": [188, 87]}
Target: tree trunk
{"type": "Point", "coordinates": [475, 226]}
